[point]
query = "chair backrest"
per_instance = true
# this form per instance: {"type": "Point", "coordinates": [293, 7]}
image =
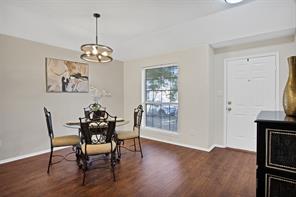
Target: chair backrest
{"type": "Point", "coordinates": [94, 111]}
{"type": "Point", "coordinates": [48, 122]}
{"type": "Point", "coordinates": [111, 130]}
{"type": "Point", "coordinates": [86, 113]}
{"type": "Point", "coordinates": [93, 131]}
{"type": "Point", "coordinates": [99, 113]}
{"type": "Point", "coordinates": [85, 130]}
{"type": "Point", "coordinates": [138, 113]}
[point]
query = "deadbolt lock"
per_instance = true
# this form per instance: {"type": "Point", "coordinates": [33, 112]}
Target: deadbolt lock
{"type": "Point", "coordinates": [229, 102]}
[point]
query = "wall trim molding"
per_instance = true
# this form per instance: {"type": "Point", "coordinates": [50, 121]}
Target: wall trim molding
{"type": "Point", "coordinates": [184, 145]}
{"type": "Point", "coordinates": [219, 146]}
{"type": "Point", "coordinates": [29, 155]}
{"type": "Point", "coordinates": [146, 137]}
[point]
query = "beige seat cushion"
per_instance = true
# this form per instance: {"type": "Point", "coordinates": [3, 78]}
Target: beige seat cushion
{"type": "Point", "coordinates": [124, 135]}
{"type": "Point", "coordinates": [68, 140]}
{"type": "Point", "coordinates": [94, 149]}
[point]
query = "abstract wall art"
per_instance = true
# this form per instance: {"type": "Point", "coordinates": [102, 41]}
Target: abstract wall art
{"type": "Point", "coordinates": [66, 76]}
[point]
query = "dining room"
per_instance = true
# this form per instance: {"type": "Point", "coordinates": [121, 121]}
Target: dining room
{"type": "Point", "coordinates": [143, 110]}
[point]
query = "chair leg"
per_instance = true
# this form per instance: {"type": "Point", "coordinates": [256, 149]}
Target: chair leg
{"type": "Point", "coordinates": [140, 146]}
{"type": "Point", "coordinates": [50, 159]}
{"type": "Point", "coordinates": [135, 144]}
{"type": "Point", "coordinates": [113, 164]}
{"type": "Point", "coordinates": [78, 153]}
{"type": "Point", "coordinates": [84, 168]}
{"type": "Point", "coordinates": [119, 149]}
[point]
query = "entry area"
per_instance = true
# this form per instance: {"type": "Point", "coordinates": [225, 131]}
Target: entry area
{"type": "Point", "coordinates": [251, 86]}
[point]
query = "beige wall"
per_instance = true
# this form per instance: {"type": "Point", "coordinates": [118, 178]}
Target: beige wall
{"type": "Point", "coordinates": [23, 95]}
{"type": "Point", "coordinates": [201, 88]}
{"type": "Point", "coordinates": [285, 47]}
{"type": "Point", "coordinates": [211, 98]}
{"type": "Point", "coordinates": [201, 114]}
{"type": "Point", "coordinates": [194, 92]}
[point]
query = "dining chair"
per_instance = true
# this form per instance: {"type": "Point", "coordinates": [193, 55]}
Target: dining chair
{"type": "Point", "coordinates": [133, 134]}
{"type": "Point", "coordinates": [60, 141]}
{"type": "Point", "coordinates": [92, 145]}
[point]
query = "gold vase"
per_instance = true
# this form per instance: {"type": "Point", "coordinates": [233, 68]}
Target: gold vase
{"type": "Point", "coordinates": [289, 98]}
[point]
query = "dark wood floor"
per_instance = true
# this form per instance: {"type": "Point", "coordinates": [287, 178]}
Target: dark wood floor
{"type": "Point", "coordinates": [165, 170]}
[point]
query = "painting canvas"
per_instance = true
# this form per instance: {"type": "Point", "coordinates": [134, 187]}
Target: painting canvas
{"type": "Point", "coordinates": [66, 76]}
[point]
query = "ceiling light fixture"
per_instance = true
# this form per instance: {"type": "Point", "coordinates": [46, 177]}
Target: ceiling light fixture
{"type": "Point", "coordinates": [233, 1]}
{"type": "Point", "coordinates": [96, 52]}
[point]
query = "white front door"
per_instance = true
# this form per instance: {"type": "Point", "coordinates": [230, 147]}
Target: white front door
{"type": "Point", "coordinates": [251, 87]}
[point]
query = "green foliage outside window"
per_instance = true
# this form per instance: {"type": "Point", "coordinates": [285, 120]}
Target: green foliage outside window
{"type": "Point", "coordinates": [161, 97]}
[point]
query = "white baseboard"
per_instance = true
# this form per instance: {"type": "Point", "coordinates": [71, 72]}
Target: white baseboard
{"type": "Point", "coordinates": [150, 138]}
{"type": "Point", "coordinates": [184, 145]}
{"type": "Point", "coordinates": [220, 146]}
{"type": "Point", "coordinates": [211, 148]}
{"type": "Point", "coordinates": [28, 155]}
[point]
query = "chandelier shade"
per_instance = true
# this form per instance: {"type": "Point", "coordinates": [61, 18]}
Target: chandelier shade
{"type": "Point", "coordinates": [96, 53]}
{"type": "Point", "coordinates": [233, 1]}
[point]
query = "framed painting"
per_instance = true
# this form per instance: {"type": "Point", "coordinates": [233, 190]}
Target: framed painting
{"type": "Point", "coordinates": [66, 76]}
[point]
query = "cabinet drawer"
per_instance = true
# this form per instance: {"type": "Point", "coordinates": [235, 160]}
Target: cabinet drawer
{"type": "Point", "coordinates": [277, 186]}
{"type": "Point", "coordinates": [280, 149]}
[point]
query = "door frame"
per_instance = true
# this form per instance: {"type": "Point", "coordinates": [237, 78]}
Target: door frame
{"type": "Point", "coordinates": [277, 98]}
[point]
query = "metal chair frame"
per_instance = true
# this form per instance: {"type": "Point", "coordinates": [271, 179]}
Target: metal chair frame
{"type": "Point", "coordinates": [138, 113]}
{"type": "Point", "coordinates": [75, 149]}
{"type": "Point", "coordinates": [92, 127]}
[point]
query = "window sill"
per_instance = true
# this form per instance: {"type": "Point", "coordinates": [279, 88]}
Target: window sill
{"type": "Point", "coordinates": [161, 131]}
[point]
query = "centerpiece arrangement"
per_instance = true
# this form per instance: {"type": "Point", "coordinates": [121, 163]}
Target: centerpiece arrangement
{"type": "Point", "coordinates": [96, 107]}
{"type": "Point", "coordinates": [97, 95]}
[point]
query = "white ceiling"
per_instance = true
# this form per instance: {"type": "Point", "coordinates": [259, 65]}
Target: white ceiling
{"type": "Point", "coordinates": [134, 28]}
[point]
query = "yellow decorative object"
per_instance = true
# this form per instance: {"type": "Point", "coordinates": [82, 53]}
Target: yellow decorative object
{"type": "Point", "coordinates": [289, 98]}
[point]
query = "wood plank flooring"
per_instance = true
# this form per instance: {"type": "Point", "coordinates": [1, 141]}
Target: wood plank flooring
{"type": "Point", "coordinates": [165, 170]}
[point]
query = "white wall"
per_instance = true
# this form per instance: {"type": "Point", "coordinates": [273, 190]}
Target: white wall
{"type": "Point", "coordinates": [194, 92]}
{"type": "Point", "coordinates": [23, 95]}
{"type": "Point", "coordinates": [285, 48]}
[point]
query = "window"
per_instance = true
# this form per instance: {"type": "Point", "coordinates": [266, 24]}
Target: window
{"type": "Point", "coordinates": [161, 97]}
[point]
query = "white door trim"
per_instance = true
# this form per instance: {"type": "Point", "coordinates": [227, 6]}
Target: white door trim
{"type": "Point", "coordinates": [277, 99]}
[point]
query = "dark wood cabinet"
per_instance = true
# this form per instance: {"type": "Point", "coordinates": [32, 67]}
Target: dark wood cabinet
{"type": "Point", "coordinates": [276, 155]}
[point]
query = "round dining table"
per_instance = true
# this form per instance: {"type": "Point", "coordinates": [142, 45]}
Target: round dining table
{"type": "Point", "coordinates": [76, 124]}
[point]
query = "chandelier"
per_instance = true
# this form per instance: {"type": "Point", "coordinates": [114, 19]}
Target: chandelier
{"type": "Point", "coordinates": [96, 52]}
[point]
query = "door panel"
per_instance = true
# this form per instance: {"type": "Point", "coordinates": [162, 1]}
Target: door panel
{"type": "Point", "coordinates": [251, 87]}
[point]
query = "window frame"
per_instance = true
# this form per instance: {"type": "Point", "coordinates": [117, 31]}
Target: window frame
{"type": "Point", "coordinates": [143, 88]}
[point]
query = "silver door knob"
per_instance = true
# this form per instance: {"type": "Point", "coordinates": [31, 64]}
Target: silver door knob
{"type": "Point", "coordinates": [229, 109]}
